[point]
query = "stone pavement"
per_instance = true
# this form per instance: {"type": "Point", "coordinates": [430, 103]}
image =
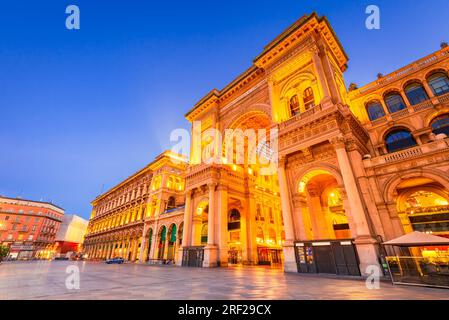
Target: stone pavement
{"type": "Point", "coordinates": [46, 280]}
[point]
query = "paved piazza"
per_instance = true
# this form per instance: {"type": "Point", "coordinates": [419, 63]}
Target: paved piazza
{"type": "Point", "coordinates": [46, 280]}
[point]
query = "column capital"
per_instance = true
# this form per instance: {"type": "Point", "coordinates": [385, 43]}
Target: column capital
{"type": "Point", "coordinates": [282, 161]}
{"type": "Point", "coordinates": [189, 193]}
{"type": "Point", "coordinates": [222, 187]}
{"type": "Point", "coordinates": [338, 142]}
{"type": "Point", "coordinates": [212, 185]}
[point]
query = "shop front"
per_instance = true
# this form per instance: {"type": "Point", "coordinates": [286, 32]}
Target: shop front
{"type": "Point", "coordinates": [337, 257]}
{"type": "Point", "coordinates": [269, 256]}
{"type": "Point", "coordinates": [21, 252]}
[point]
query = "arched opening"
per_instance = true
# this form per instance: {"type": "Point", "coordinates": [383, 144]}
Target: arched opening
{"type": "Point", "coordinates": [328, 244]}
{"type": "Point", "coordinates": [423, 205]}
{"type": "Point", "coordinates": [308, 98]}
{"type": "Point", "coordinates": [416, 93]}
{"type": "Point", "coordinates": [171, 253]}
{"type": "Point", "coordinates": [244, 222]}
{"type": "Point", "coordinates": [439, 83]}
{"type": "Point", "coordinates": [294, 106]}
{"type": "Point", "coordinates": [162, 238]}
{"type": "Point", "coordinates": [326, 216]}
{"type": "Point", "coordinates": [394, 102]}
{"type": "Point", "coordinates": [398, 140]}
{"type": "Point", "coordinates": [375, 110]}
{"type": "Point", "coordinates": [440, 125]}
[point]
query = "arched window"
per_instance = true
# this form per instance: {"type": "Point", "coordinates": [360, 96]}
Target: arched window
{"type": "Point", "coordinates": [399, 140]}
{"type": "Point", "coordinates": [308, 98]}
{"type": "Point", "coordinates": [294, 105]}
{"type": "Point", "coordinates": [441, 125]}
{"type": "Point", "coordinates": [439, 82]}
{"type": "Point", "coordinates": [375, 110]}
{"type": "Point", "coordinates": [394, 102]}
{"type": "Point", "coordinates": [415, 93]}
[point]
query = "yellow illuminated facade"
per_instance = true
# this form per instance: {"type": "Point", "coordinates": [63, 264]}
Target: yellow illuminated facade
{"type": "Point", "coordinates": [356, 167]}
{"type": "Point", "coordinates": [141, 218]}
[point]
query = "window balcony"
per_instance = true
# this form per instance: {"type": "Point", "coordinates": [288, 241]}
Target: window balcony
{"type": "Point", "coordinates": [432, 102]}
{"type": "Point", "coordinates": [411, 153]}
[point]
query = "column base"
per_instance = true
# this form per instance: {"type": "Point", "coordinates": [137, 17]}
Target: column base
{"type": "Point", "coordinates": [179, 257]}
{"type": "Point", "coordinates": [290, 258]}
{"type": "Point", "coordinates": [210, 257]}
{"type": "Point", "coordinates": [367, 251]}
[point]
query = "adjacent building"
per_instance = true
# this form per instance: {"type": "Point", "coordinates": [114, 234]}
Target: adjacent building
{"type": "Point", "coordinates": [140, 219]}
{"type": "Point", "coordinates": [29, 227]}
{"type": "Point", "coordinates": [70, 236]}
{"type": "Point", "coordinates": [356, 167]}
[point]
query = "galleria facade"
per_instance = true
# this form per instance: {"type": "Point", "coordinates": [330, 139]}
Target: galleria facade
{"type": "Point", "coordinates": [356, 167]}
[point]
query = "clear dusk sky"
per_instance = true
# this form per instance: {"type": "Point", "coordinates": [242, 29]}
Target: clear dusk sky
{"type": "Point", "coordinates": [82, 110]}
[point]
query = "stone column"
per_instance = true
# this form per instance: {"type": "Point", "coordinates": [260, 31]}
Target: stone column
{"type": "Point", "coordinates": [134, 252]}
{"type": "Point", "coordinates": [128, 249]}
{"type": "Point", "coordinates": [365, 243]}
{"type": "Point", "coordinates": [222, 230]}
{"type": "Point", "coordinates": [299, 208]}
{"type": "Point", "coordinates": [196, 230]}
{"type": "Point", "coordinates": [154, 250]}
{"type": "Point", "coordinates": [251, 231]}
{"type": "Point", "coordinates": [165, 255]}
{"type": "Point", "coordinates": [318, 65]}
{"type": "Point", "coordinates": [143, 248]}
{"type": "Point", "coordinates": [187, 226]}
{"type": "Point", "coordinates": [211, 250]}
{"type": "Point", "coordinates": [289, 250]}
{"type": "Point", "coordinates": [428, 89]}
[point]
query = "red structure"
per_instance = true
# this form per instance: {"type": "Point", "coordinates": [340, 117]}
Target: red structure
{"type": "Point", "coordinates": [29, 227]}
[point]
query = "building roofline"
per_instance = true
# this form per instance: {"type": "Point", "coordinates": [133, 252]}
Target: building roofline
{"type": "Point", "coordinates": [286, 33]}
{"type": "Point", "coordinates": [398, 73]}
{"type": "Point", "coordinates": [33, 201]}
{"type": "Point", "coordinates": [148, 167]}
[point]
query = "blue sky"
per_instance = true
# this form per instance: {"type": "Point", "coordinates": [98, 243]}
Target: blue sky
{"type": "Point", "coordinates": [82, 110]}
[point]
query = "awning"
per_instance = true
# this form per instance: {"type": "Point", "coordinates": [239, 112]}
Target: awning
{"type": "Point", "coordinates": [418, 239]}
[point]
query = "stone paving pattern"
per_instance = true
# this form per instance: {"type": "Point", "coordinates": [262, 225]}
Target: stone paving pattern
{"type": "Point", "coordinates": [46, 280]}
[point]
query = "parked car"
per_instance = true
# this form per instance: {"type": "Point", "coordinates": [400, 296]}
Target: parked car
{"type": "Point", "coordinates": [115, 261]}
